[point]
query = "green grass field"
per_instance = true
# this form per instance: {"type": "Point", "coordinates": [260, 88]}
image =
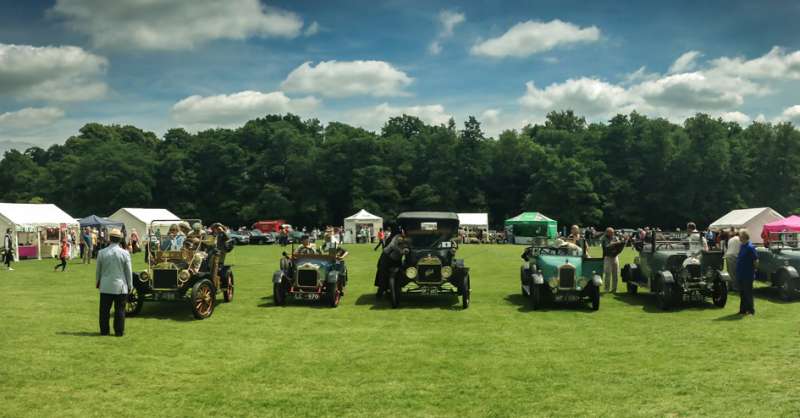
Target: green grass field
{"type": "Point", "coordinates": [429, 358]}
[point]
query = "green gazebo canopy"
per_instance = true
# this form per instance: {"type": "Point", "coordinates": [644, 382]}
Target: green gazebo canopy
{"type": "Point", "coordinates": [532, 224]}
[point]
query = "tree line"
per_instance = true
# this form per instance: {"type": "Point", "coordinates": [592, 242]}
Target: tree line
{"type": "Point", "coordinates": [631, 171]}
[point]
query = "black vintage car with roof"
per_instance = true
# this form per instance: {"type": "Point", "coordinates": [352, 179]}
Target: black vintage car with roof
{"type": "Point", "coordinates": [429, 265]}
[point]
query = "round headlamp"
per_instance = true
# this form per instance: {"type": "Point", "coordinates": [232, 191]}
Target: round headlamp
{"type": "Point", "coordinates": [447, 271]}
{"type": "Point", "coordinates": [143, 276]}
{"type": "Point", "coordinates": [553, 282]}
{"type": "Point", "coordinates": [411, 272]}
{"type": "Point", "coordinates": [184, 275]}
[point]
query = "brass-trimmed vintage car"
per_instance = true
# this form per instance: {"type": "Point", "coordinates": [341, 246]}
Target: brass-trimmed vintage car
{"type": "Point", "coordinates": [310, 275]}
{"type": "Point", "coordinates": [183, 263]}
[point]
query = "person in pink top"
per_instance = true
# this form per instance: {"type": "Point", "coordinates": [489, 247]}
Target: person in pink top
{"type": "Point", "coordinates": [63, 254]}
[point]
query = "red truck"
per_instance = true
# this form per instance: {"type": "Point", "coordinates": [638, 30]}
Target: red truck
{"type": "Point", "coordinates": [269, 226]}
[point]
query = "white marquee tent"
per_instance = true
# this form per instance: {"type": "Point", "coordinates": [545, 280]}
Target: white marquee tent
{"type": "Point", "coordinates": [36, 225]}
{"type": "Point", "coordinates": [753, 219]}
{"type": "Point", "coordinates": [361, 220]}
{"type": "Point", "coordinates": [139, 218]}
{"type": "Point", "coordinates": [474, 220]}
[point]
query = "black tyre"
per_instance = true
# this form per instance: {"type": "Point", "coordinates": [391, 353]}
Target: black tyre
{"type": "Point", "coordinates": [465, 289]}
{"type": "Point", "coordinates": [719, 295]}
{"type": "Point", "coordinates": [203, 299]}
{"type": "Point", "coordinates": [536, 296]}
{"type": "Point", "coordinates": [134, 303]}
{"type": "Point", "coordinates": [523, 274]}
{"type": "Point", "coordinates": [279, 294]}
{"type": "Point", "coordinates": [787, 288]}
{"type": "Point", "coordinates": [595, 295]}
{"type": "Point", "coordinates": [334, 294]}
{"type": "Point", "coordinates": [632, 288]}
{"type": "Point", "coordinates": [227, 289]}
{"type": "Point", "coordinates": [394, 291]}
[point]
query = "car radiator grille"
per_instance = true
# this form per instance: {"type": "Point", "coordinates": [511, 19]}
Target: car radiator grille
{"type": "Point", "coordinates": [429, 274]}
{"type": "Point", "coordinates": [165, 279]}
{"type": "Point", "coordinates": [307, 278]}
{"type": "Point", "coordinates": [566, 277]}
{"type": "Point", "coordinates": [694, 271]}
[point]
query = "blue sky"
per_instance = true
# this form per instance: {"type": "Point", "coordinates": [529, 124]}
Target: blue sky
{"type": "Point", "coordinates": [204, 63]}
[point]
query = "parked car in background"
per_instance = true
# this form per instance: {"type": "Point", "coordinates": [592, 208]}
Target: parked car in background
{"type": "Point", "coordinates": [779, 264]}
{"type": "Point", "coordinates": [259, 238]}
{"type": "Point", "coordinates": [239, 237]}
{"type": "Point", "coordinates": [268, 226]}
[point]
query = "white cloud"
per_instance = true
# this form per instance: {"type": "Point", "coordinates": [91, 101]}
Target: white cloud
{"type": "Point", "coordinates": [312, 29]}
{"type": "Point", "coordinates": [531, 37]}
{"type": "Point", "coordinates": [736, 116]}
{"type": "Point", "coordinates": [684, 63]}
{"type": "Point", "coordinates": [348, 78]}
{"type": "Point", "coordinates": [374, 118]}
{"type": "Point", "coordinates": [791, 114]}
{"type": "Point", "coordinates": [776, 64]}
{"type": "Point", "coordinates": [173, 25]}
{"type": "Point", "coordinates": [51, 73]}
{"type": "Point", "coordinates": [29, 118]}
{"type": "Point", "coordinates": [694, 91]}
{"type": "Point", "coordinates": [490, 116]}
{"type": "Point", "coordinates": [586, 96]}
{"type": "Point", "coordinates": [448, 20]}
{"type": "Point", "coordinates": [639, 75]}
{"type": "Point", "coordinates": [234, 109]}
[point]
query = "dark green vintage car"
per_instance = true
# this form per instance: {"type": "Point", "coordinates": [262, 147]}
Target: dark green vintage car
{"type": "Point", "coordinates": [557, 270]}
{"type": "Point", "coordinates": [429, 266]}
{"type": "Point", "coordinates": [310, 276]}
{"type": "Point", "coordinates": [780, 262]}
{"type": "Point", "coordinates": [671, 268]}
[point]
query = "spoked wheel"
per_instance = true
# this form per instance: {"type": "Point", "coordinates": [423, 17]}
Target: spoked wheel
{"type": "Point", "coordinates": [536, 296]}
{"type": "Point", "coordinates": [134, 303]}
{"type": "Point", "coordinates": [719, 294]}
{"type": "Point", "coordinates": [465, 292]}
{"type": "Point", "coordinates": [279, 294]}
{"type": "Point", "coordinates": [227, 294]}
{"type": "Point", "coordinates": [334, 294]}
{"type": "Point", "coordinates": [394, 291]}
{"type": "Point", "coordinates": [203, 299]}
{"type": "Point", "coordinates": [595, 294]}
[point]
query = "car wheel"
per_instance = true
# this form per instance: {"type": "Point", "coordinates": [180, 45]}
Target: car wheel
{"type": "Point", "coordinates": [786, 287]}
{"type": "Point", "coordinates": [719, 294]}
{"type": "Point", "coordinates": [394, 291]}
{"type": "Point", "coordinates": [334, 295]}
{"type": "Point", "coordinates": [465, 292]}
{"type": "Point", "coordinates": [279, 294]}
{"type": "Point", "coordinates": [134, 303]}
{"type": "Point", "coordinates": [595, 293]}
{"type": "Point", "coordinates": [203, 298]}
{"type": "Point", "coordinates": [536, 296]}
{"type": "Point", "coordinates": [227, 294]}
{"type": "Point", "coordinates": [632, 288]}
{"type": "Point", "coordinates": [523, 274]}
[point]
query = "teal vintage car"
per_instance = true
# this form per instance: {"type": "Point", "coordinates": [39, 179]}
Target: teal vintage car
{"type": "Point", "coordinates": [558, 270]}
{"type": "Point", "coordinates": [779, 263]}
{"type": "Point", "coordinates": [671, 268]}
{"type": "Point", "coordinates": [310, 276]}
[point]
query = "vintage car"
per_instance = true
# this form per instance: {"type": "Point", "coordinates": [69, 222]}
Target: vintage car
{"type": "Point", "coordinates": [258, 237]}
{"type": "Point", "coordinates": [198, 269]}
{"type": "Point", "coordinates": [429, 266]}
{"type": "Point", "coordinates": [671, 268]}
{"type": "Point", "coordinates": [559, 270]}
{"type": "Point", "coordinates": [310, 276]}
{"type": "Point", "coordinates": [240, 237]}
{"type": "Point", "coordinates": [779, 263]}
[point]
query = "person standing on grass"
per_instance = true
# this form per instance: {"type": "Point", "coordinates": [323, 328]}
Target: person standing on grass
{"type": "Point", "coordinates": [732, 248]}
{"type": "Point", "coordinates": [612, 246]}
{"type": "Point", "coordinates": [88, 248]}
{"type": "Point", "coordinates": [114, 279]}
{"type": "Point", "coordinates": [8, 250]}
{"type": "Point", "coordinates": [746, 263]}
{"type": "Point", "coordinates": [63, 253]}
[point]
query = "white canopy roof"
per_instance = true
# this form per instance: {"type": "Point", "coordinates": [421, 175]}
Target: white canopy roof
{"type": "Point", "coordinates": [363, 215]}
{"type": "Point", "coordinates": [30, 214]}
{"type": "Point", "coordinates": [149, 215]}
{"type": "Point", "coordinates": [753, 219]}
{"type": "Point", "coordinates": [473, 219]}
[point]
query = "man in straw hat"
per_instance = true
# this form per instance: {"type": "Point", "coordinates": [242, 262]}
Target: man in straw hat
{"type": "Point", "coordinates": [114, 278]}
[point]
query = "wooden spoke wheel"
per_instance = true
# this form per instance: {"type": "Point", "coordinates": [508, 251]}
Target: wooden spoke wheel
{"type": "Point", "coordinates": [227, 294]}
{"type": "Point", "coordinates": [134, 303]}
{"type": "Point", "coordinates": [203, 298]}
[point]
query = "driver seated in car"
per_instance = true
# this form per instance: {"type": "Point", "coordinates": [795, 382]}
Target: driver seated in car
{"type": "Point", "coordinates": [575, 237]}
{"type": "Point", "coordinates": [570, 248]}
{"type": "Point", "coordinates": [174, 239]}
{"type": "Point", "coordinates": [197, 232]}
{"type": "Point", "coordinates": [306, 246]}
{"type": "Point", "coordinates": [697, 244]}
{"type": "Point", "coordinates": [332, 248]}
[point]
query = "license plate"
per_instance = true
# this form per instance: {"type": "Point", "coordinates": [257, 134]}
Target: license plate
{"type": "Point", "coordinates": [307, 296]}
{"type": "Point", "coordinates": [430, 291]}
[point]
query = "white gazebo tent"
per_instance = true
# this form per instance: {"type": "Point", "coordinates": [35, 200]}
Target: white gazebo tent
{"type": "Point", "coordinates": [140, 219]}
{"type": "Point", "coordinates": [32, 220]}
{"type": "Point", "coordinates": [471, 223]}
{"type": "Point", "coordinates": [359, 221]}
{"type": "Point", "coordinates": [753, 219]}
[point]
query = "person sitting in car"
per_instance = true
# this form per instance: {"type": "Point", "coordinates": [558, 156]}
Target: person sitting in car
{"type": "Point", "coordinates": [306, 246]}
{"type": "Point", "coordinates": [174, 240]}
{"type": "Point", "coordinates": [197, 232]}
{"type": "Point", "coordinates": [333, 249]}
{"type": "Point", "coordinates": [575, 238]}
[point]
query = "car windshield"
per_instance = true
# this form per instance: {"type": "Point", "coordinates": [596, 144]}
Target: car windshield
{"type": "Point", "coordinates": [427, 239]}
{"type": "Point", "coordinates": [784, 240]}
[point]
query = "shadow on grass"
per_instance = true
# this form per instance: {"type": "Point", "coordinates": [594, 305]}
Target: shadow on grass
{"type": "Point", "coordinates": [174, 310]}
{"type": "Point", "coordinates": [524, 304]}
{"type": "Point", "coordinates": [731, 317]}
{"type": "Point", "coordinates": [269, 302]}
{"type": "Point", "coordinates": [772, 294]}
{"type": "Point", "coordinates": [79, 334]}
{"type": "Point", "coordinates": [412, 301]}
{"type": "Point", "coordinates": [649, 303]}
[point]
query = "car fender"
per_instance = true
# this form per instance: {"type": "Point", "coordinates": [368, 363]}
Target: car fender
{"type": "Point", "coordinates": [723, 276]}
{"type": "Point", "coordinates": [628, 271]}
{"type": "Point", "coordinates": [278, 276]}
{"type": "Point", "coordinates": [459, 263]}
{"type": "Point", "coordinates": [666, 276]}
{"type": "Point", "coordinates": [789, 271]}
{"type": "Point", "coordinates": [597, 281]}
{"type": "Point", "coordinates": [538, 279]}
{"type": "Point", "coordinates": [333, 277]}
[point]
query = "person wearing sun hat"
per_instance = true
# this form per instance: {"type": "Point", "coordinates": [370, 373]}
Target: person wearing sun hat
{"type": "Point", "coordinates": [114, 279]}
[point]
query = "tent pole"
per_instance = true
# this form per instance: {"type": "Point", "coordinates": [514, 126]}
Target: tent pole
{"type": "Point", "coordinates": [38, 243]}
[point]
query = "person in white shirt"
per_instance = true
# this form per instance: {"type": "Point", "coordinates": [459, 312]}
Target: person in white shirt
{"type": "Point", "coordinates": [114, 279]}
{"type": "Point", "coordinates": [731, 253]}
